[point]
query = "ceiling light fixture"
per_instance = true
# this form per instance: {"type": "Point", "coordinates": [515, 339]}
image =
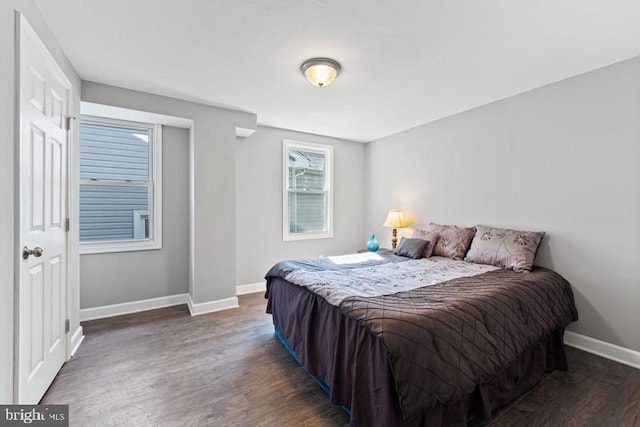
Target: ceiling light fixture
{"type": "Point", "coordinates": [320, 71]}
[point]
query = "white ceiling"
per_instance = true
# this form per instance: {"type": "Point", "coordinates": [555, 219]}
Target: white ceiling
{"type": "Point", "coordinates": [404, 62]}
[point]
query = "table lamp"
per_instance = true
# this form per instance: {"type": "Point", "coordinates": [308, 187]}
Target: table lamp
{"type": "Point", "coordinates": [394, 220]}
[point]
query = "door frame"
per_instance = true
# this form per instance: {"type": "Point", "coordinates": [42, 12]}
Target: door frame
{"type": "Point", "coordinates": [70, 306]}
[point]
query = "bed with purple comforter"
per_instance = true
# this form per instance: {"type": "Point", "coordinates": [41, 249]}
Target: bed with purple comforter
{"type": "Point", "coordinates": [424, 342]}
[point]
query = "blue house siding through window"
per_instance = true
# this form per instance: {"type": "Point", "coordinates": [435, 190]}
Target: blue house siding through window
{"type": "Point", "coordinates": [107, 212]}
{"type": "Point", "coordinates": [116, 162]}
{"type": "Point", "coordinates": [306, 209]}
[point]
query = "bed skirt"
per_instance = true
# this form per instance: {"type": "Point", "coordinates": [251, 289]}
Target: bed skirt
{"type": "Point", "coordinates": [354, 367]}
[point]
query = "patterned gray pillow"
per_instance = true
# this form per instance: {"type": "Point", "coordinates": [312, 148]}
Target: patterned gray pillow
{"type": "Point", "coordinates": [504, 248]}
{"type": "Point", "coordinates": [432, 237]}
{"type": "Point", "coordinates": [412, 248]}
{"type": "Point", "coordinates": [453, 241]}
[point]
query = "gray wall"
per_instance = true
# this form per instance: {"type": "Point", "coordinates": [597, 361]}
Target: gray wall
{"type": "Point", "coordinates": [564, 159]}
{"type": "Point", "coordinates": [131, 276]}
{"type": "Point", "coordinates": [213, 189]}
{"type": "Point", "coordinates": [259, 177]}
{"type": "Point", "coordinates": [8, 243]}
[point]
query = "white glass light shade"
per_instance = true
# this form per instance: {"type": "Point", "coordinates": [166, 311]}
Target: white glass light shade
{"type": "Point", "coordinates": [320, 71]}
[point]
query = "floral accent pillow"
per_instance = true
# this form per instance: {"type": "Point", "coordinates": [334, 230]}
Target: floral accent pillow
{"type": "Point", "coordinates": [425, 235]}
{"type": "Point", "coordinates": [504, 248]}
{"type": "Point", "coordinates": [453, 241]}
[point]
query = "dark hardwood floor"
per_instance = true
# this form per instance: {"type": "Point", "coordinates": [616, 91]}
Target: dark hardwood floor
{"type": "Point", "coordinates": [164, 367]}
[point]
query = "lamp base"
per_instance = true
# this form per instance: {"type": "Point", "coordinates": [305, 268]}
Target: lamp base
{"type": "Point", "coordinates": [394, 238]}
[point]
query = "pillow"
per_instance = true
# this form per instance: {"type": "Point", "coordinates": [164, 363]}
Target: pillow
{"type": "Point", "coordinates": [453, 241]}
{"type": "Point", "coordinates": [412, 248]}
{"type": "Point", "coordinates": [504, 248]}
{"type": "Point", "coordinates": [432, 237]}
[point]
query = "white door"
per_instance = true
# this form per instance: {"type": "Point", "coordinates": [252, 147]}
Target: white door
{"type": "Point", "coordinates": [44, 99]}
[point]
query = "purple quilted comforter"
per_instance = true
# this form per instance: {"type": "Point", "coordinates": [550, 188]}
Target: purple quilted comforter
{"type": "Point", "coordinates": [445, 339]}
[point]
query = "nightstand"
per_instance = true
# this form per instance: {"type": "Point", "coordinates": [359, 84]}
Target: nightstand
{"type": "Point", "coordinates": [362, 251]}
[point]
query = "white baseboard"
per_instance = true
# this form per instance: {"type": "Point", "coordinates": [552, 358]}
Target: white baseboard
{"type": "Point", "coordinates": [251, 288]}
{"type": "Point", "coordinates": [131, 307]}
{"type": "Point", "coordinates": [76, 340]}
{"type": "Point", "coordinates": [211, 306]}
{"type": "Point", "coordinates": [623, 355]}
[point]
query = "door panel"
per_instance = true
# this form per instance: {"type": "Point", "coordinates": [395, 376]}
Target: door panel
{"type": "Point", "coordinates": [35, 296]}
{"type": "Point", "coordinates": [35, 175]}
{"type": "Point", "coordinates": [44, 101]}
{"type": "Point", "coordinates": [53, 311]}
{"type": "Point", "coordinates": [56, 183]}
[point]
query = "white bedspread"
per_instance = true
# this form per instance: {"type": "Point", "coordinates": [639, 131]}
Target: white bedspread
{"type": "Point", "coordinates": [382, 279]}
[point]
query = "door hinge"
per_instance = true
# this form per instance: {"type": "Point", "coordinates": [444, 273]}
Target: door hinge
{"type": "Point", "coordinates": [67, 225]}
{"type": "Point", "coordinates": [67, 122]}
{"type": "Point", "coordinates": [67, 326]}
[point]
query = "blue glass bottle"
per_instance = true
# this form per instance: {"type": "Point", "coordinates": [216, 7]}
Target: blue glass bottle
{"type": "Point", "coordinates": [372, 244]}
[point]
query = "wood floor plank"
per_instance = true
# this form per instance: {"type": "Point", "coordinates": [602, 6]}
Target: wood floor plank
{"type": "Point", "coordinates": [164, 367]}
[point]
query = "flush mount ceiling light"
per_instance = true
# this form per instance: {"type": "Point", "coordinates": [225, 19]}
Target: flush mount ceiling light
{"type": "Point", "coordinates": [320, 71]}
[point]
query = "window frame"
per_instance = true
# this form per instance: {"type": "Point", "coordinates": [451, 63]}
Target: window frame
{"type": "Point", "coordinates": [154, 184]}
{"type": "Point", "coordinates": [327, 150]}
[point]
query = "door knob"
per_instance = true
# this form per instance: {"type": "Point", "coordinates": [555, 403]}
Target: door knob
{"type": "Point", "coordinates": [36, 252]}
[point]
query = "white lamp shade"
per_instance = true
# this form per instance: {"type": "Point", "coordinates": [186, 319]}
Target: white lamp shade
{"type": "Point", "coordinates": [395, 219]}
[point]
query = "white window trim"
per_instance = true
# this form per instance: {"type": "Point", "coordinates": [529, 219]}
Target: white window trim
{"type": "Point", "coordinates": [155, 194]}
{"type": "Point", "coordinates": [328, 152]}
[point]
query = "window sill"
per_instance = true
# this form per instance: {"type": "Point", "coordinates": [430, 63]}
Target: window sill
{"type": "Point", "coordinates": [306, 236]}
{"type": "Point", "coordinates": [125, 246]}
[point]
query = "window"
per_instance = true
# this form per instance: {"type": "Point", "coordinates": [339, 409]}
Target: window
{"type": "Point", "coordinates": [120, 185]}
{"type": "Point", "coordinates": [308, 199]}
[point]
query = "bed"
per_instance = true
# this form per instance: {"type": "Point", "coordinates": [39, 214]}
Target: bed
{"type": "Point", "coordinates": [435, 341]}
